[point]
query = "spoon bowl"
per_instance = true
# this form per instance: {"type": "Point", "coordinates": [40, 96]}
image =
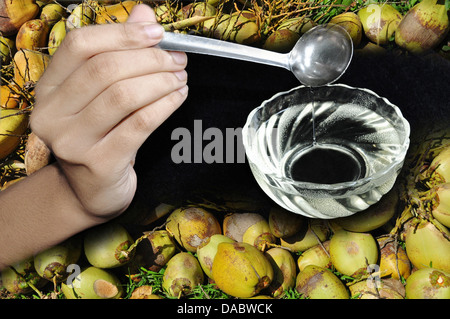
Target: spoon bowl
{"type": "Point", "coordinates": [319, 57]}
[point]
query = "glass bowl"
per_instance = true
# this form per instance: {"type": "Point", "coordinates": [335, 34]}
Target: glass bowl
{"type": "Point", "coordinates": [326, 152]}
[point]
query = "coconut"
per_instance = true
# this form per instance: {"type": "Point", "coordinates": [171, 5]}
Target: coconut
{"type": "Point", "coordinates": [373, 217]}
{"type": "Point", "coordinates": [81, 16]}
{"type": "Point", "coordinates": [318, 255]}
{"type": "Point", "coordinates": [261, 297]}
{"type": "Point", "coordinates": [144, 292]}
{"type": "Point", "coordinates": [52, 13]}
{"type": "Point", "coordinates": [192, 226]}
{"type": "Point", "coordinates": [364, 290]}
{"type": "Point", "coordinates": [426, 244]}
{"type": "Point", "coordinates": [237, 27]}
{"type": "Point", "coordinates": [202, 9]}
{"type": "Point", "coordinates": [424, 26]}
{"type": "Point", "coordinates": [428, 283]}
{"type": "Point", "coordinates": [57, 35]}
{"type": "Point", "coordinates": [351, 23]}
{"type": "Point", "coordinates": [29, 66]}
{"type": "Point", "coordinates": [12, 98]}
{"type": "Point", "coordinates": [251, 228]}
{"type": "Point", "coordinates": [52, 263]}
{"type": "Point", "coordinates": [207, 251]}
{"type": "Point", "coordinates": [311, 233]}
{"type": "Point", "coordinates": [164, 13]}
{"type": "Point", "coordinates": [154, 251]}
{"type": "Point", "coordinates": [351, 253]}
{"type": "Point", "coordinates": [114, 13]}
{"type": "Point", "coordinates": [371, 49]}
{"type": "Point", "coordinates": [15, 13]}
{"type": "Point", "coordinates": [313, 279]}
{"type": "Point", "coordinates": [284, 270]}
{"type": "Point", "coordinates": [393, 259]}
{"type": "Point", "coordinates": [281, 41]}
{"type": "Point", "coordinates": [241, 270]}
{"type": "Point", "coordinates": [284, 223]}
{"type": "Point", "coordinates": [298, 24]}
{"type": "Point", "coordinates": [182, 275]}
{"type": "Point", "coordinates": [93, 283]}
{"type": "Point", "coordinates": [37, 154]}
{"type": "Point", "coordinates": [13, 123]}
{"type": "Point", "coordinates": [18, 277]}
{"type": "Point", "coordinates": [106, 245]}
{"type": "Point", "coordinates": [6, 51]}
{"type": "Point", "coordinates": [441, 210]}
{"type": "Point", "coordinates": [441, 165]}
{"type": "Point", "coordinates": [379, 22]}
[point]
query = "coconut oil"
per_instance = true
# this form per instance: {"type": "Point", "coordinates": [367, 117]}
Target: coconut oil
{"type": "Point", "coordinates": [300, 147]}
{"type": "Point", "coordinates": [349, 142]}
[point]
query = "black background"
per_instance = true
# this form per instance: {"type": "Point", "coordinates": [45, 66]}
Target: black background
{"type": "Point", "coordinates": [222, 92]}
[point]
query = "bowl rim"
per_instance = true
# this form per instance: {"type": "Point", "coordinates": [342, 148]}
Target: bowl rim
{"type": "Point", "coordinates": [343, 185]}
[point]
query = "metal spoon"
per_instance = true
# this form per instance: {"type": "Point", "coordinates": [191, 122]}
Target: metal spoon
{"type": "Point", "coordinates": [319, 57]}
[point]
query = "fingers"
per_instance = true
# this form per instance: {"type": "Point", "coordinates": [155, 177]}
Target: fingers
{"type": "Point", "coordinates": [84, 43]}
{"type": "Point", "coordinates": [100, 72]}
{"type": "Point", "coordinates": [124, 98]}
{"type": "Point", "coordinates": [135, 129]}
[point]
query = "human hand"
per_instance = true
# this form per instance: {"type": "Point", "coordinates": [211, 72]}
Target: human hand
{"type": "Point", "coordinates": [105, 91]}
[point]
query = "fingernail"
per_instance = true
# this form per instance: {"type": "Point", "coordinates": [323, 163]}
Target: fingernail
{"type": "Point", "coordinates": [154, 31]}
{"type": "Point", "coordinates": [181, 75]}
{"type": "Point", "coordinates": [178, 57]}
{"type": "Point", "coordinates": [184, 90]}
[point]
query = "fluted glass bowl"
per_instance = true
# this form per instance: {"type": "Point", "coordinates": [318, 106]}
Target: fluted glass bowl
{"type": "Point", "coordinates": [360, 144]}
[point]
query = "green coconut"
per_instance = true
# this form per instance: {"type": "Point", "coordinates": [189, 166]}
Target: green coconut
{"type": "Point", "coordinates": [379, 22]}
{"type": "Point", "coordinates": [368, 290]}
{"type": "Point", "coordinates": [154, 251]}
{"type": "Point", "coordinates": [281, 41]}
{"type": "Point", "coordinates": [183, 273]}
{"type": "Point", "coordinates": [318, 255]}
{"type": "Point", "coordinates": [106, 245]}
{"type": "Point", "coordinates": [251, 228]}
{"type": "Point", "coordinates": [284, 223]}
{"type": "Point", "coordinates": [351, 23]}
{"type": "Point", "coordinates": [426, 244]}
{"type": "Point", "coordinates": [315, 282]}
{"type": "Point", "coordinates": [428, 283]}
{"type": "Point", "coordinates": [21, 276]}
{"type": "Point", "coordinates": [241, 270]}
{"type": "Point", "coordinates": [207, 251]}
{"type": "Point", "coordinates": [52, 263]}
{"type": "Point", "coordinates": [423, 27]}
{"type": "Point", "coordinates": [93, 283]}
{"type": "Point", "coordinates": [373, 217]}
{"type": "Point", "coordinates": [313, 231]}
{"type": "Point", "coordinates": [298, 25]}
{"type": "Point", "coordinates": [351, 253]}
{"type": "Point", "coordinates": [285, 271]}
{"type": "Point", "coordinates": [441, 210]}
{"type": "Point", "coordinates": [192, 226]}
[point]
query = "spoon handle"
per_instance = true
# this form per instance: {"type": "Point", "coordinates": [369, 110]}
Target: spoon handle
{"type": "Point", "coordinates": [202, 45]}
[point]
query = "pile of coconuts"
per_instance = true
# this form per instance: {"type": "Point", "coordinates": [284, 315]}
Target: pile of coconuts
{"type": "Point", "coordinates": [420, 30]}
{"type": "Point", "coordinates": [398, 248]}
{"type": "Point", "coordinates": [32, 30]}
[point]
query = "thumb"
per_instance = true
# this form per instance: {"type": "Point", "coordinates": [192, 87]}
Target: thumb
{"type": "Point", "coordinates": [142, 13]}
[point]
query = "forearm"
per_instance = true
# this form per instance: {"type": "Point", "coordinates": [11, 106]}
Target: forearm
{"type": "Point", "coordinates": [37, 213]}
